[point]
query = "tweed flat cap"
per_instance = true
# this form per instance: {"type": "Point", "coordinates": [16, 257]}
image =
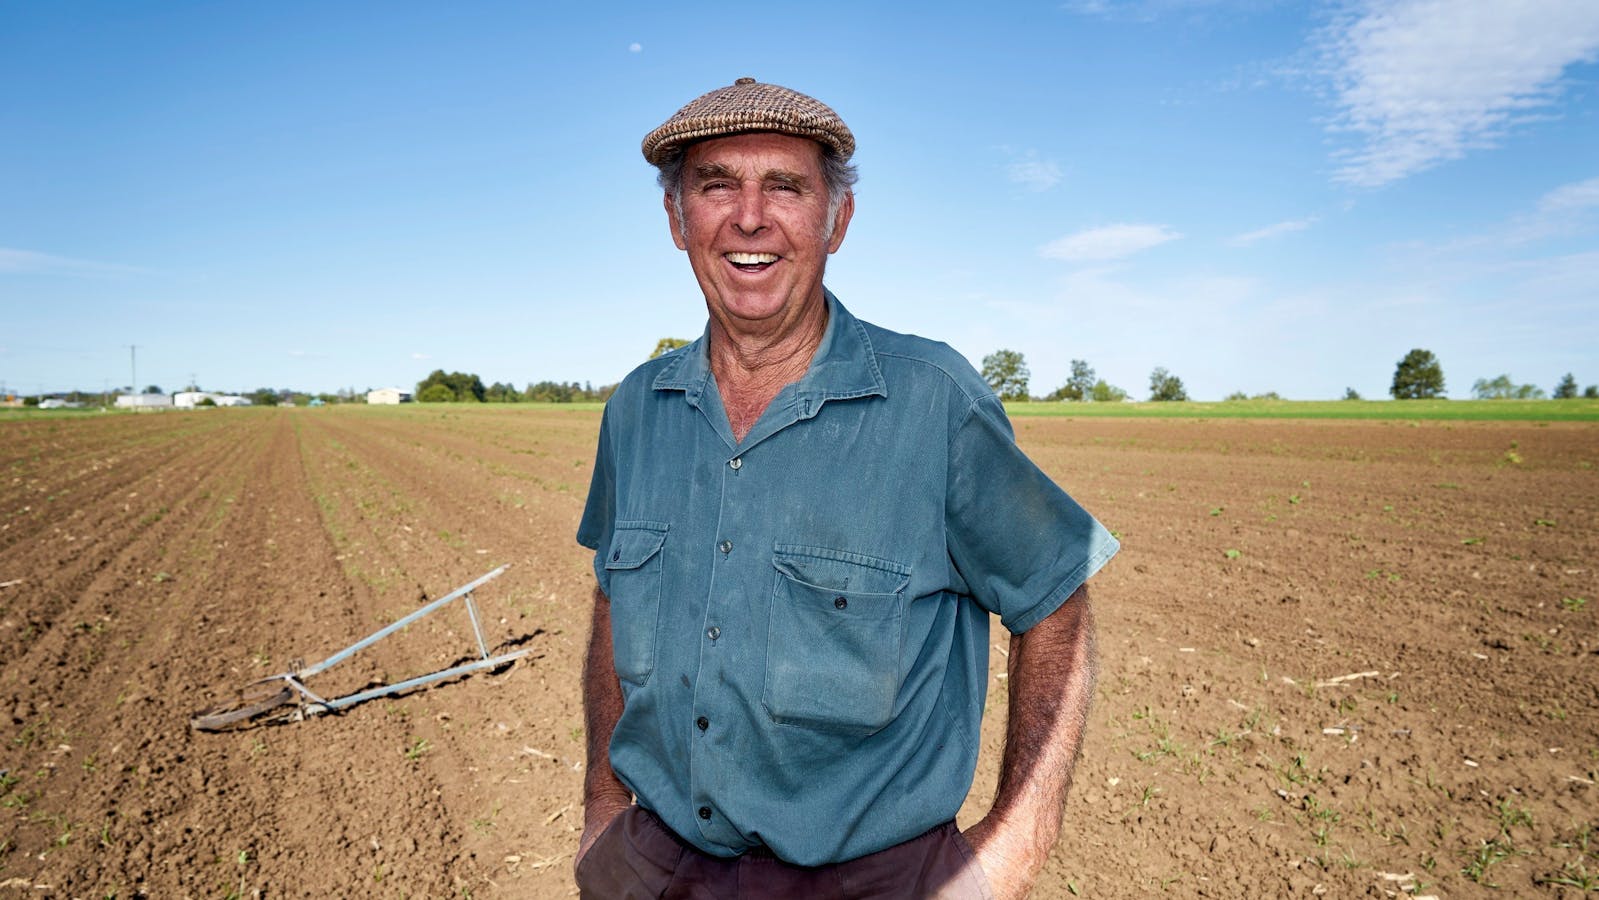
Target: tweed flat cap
{"type": "Point", "coordinates": [748, 105]}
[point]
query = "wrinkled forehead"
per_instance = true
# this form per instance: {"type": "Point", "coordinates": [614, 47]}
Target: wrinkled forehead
{"type": "Point", "coordinates": [755, 154]}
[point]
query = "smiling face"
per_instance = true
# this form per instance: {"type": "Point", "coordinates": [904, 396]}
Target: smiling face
{"type": "Point", "coordinates": [756, 228]}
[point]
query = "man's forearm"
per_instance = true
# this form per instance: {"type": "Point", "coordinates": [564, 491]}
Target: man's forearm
{"type": "Point", "coordinates": [603, 793]}
{"type": "Point", "coordinates": [1050, 680]}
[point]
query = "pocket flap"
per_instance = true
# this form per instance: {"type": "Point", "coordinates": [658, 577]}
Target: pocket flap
{"type": "Point", "coordinates": [840, 570]}
{"type": "Point", "coordinates": [633, 544]}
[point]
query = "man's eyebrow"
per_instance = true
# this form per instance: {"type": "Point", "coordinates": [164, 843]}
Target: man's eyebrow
{"type": "Point", "coordinates": [783, 176]}
{"type": "Point", "coordinates": [708, 171]}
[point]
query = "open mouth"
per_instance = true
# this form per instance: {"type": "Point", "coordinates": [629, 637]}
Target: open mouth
{"type": "Point", "coordinates": [751, 262]}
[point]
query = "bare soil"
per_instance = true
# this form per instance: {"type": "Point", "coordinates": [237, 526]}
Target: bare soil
{"type": "Point", "coordinates": [1359, 659]}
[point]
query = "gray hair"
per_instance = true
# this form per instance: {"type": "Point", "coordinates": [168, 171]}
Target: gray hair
{"type": "Point", "coordinates": [837, 174]}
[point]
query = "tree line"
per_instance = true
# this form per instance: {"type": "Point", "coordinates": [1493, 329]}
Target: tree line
{"type": "Point", "coordinates": [1417, 376]}
{"type": "Point", "coordinates": [466, 387]}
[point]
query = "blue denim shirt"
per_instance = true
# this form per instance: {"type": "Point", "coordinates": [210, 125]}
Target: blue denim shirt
{"type": "Point", "coordinates": [800, 620]}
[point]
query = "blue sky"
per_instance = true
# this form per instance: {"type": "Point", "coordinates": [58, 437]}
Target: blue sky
{"type": "Point", "coordinates": [1257, 196]}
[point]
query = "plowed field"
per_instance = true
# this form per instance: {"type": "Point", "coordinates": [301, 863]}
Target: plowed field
{"type": "Point", "coordinates": [1343, 657]}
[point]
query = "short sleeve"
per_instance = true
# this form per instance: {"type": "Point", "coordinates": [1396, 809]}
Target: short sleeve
{"type": "Point", "coordinates": [1021, 544]}
{"type": "Point", "coordinates": [599, 514]}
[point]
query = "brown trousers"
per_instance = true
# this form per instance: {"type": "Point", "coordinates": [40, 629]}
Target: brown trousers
{"type": "Point", "coordinates": [639, 858]}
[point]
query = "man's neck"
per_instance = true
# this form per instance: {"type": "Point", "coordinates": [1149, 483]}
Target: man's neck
{"type": "Point", "coordinates": [751, 367]}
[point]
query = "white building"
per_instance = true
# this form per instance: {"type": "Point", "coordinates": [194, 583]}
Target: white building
{"type": "Point", "coordinates": [144, 401]}
{"type": "Point", "coordinates": [191, 399]}
{"type": "Point", "coordinates": [388, 395]}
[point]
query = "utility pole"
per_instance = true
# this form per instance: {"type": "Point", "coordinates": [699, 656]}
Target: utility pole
{"type": "Point", "coordinates": [133, 369]}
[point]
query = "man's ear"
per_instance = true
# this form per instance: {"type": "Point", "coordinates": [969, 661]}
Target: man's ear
{"type": "Point", "coordinates": [846, 211]}
{"type": "Point", "coordinates": [672, 221]}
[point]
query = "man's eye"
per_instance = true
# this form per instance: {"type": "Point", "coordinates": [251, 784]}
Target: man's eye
{"type": "Point", "coordinates": [715, 186]}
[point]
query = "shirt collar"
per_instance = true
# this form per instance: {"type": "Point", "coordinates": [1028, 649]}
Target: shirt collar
{"type": "Point", "coordinates": [844, 367]}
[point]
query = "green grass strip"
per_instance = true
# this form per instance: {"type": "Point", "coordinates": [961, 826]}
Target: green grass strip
{"type": "Point", "coordinates": [1451, 410]}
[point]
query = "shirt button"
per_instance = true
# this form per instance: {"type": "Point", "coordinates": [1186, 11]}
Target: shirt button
{"type": "Point", "coordinates": [713, 632]}
{"type": "Point", "coordinates": [705, 812]}
{"type": "Point", "coordinates": [703, 723]}
{"type": "Point", "coordinates": [725, 546]}
{"type": "Point", "coordinates": [735, 464]}
{"type": "Point", "coordinates": [840, 603]}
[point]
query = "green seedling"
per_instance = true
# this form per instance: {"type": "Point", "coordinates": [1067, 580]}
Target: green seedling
{"type": "Point", "coordinates": [417, 748]}
{"type": "Point", "coordinates": [1510, 816]}
{"type": "Point", "coordinates": [1233, 554]}
{"type": "Point", "coordinates": [1490, 854]}
{"type": "Point", "coordinates": [1573, 874]}
{"type": "Point", "coordinates": [1573, 604]}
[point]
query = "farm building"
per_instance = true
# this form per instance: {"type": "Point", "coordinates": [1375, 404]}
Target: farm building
{"type": "Point", "coordinates": [144, 401]}
{"type": "Point", "coordinates": [388, 395]}
{"type": "Point", "coordinates": [191, 399]}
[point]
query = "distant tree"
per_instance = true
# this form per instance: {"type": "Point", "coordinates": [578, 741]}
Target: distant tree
{"type": "Point", "coordinates": [1006, 372]}
{"type": "Point", "coordinates": [437, 392]}
{"type": "Point", "coordinates": [549, 392]}
{"type": "Point", "coordinates": [263, 397]}
{"type": "Point", "coordinates": [331, 398]}
{"type": "Point", "coordinates": [154, 389]}
{"type": "Point", "coordinates": [1078, 385]}
{"type": "Point", "coordinates": [1235, 396]}
{"type": "Point", "coordinates": [466, 387]}
{"type": "Point", "coordinates": [1351, 394]}
{"type": "Point", "coordinates": [1105, 392]}
{"type": "Point", "coordinates": [206, 401]}
{"type": "Point", "coordinates": [502, 393]}
{"type": "Point", "coordinates": [667, 345]}
{"type": "Point", "coordinates": [1418, 377]}
{"type": "Point", "coordinates": [1502, 388]}
{"type": "Point", "coordinates": [1164, 386]}
{"type": "Point", "coordinates": [30, 401]}
{"type": "Point", "coordinates": [1591, 392]}
{"type": "Point", "coordinates": [1567, 388]}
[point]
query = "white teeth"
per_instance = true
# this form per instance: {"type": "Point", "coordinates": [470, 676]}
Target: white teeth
{"type": "Point", "coordinates": [751, 259]}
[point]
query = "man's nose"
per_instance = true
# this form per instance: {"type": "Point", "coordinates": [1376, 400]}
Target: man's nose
{"type": "Point", "coordinates": [750, 216]}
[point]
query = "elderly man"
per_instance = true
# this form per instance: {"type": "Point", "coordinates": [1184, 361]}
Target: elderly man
{"type": "Point", "coordinates": [802, 523]}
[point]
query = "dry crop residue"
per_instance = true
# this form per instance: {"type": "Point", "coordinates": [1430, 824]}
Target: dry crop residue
{"type": "Point", "coordinates": [1352, 655]}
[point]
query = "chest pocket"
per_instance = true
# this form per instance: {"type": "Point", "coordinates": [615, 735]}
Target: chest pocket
{"type": "Point", "coordinates": [834, 640]}
{"type": "Point", "coordinates": [633, 567]}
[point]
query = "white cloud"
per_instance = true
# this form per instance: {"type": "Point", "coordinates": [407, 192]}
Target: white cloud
{"type": "Point", "coordinates": [1572, 197]}
{"type": "Point", "coordinates": [420, 356]}
{"type": "Point", "coordinates": [1425, 81]}
{"type": "Point", "coordinates": [1271, 231]}
{"type": "Point", "coordinates": [1035, 174]}
{"type": "Point", "coordinates": [30, 261]}
{"type": "Point", "coordinates": [1108, 242]}
{"type": "Point", "coordinates": [1144, 11]}
{"type": "Point", "coordinates": [635, 47]}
